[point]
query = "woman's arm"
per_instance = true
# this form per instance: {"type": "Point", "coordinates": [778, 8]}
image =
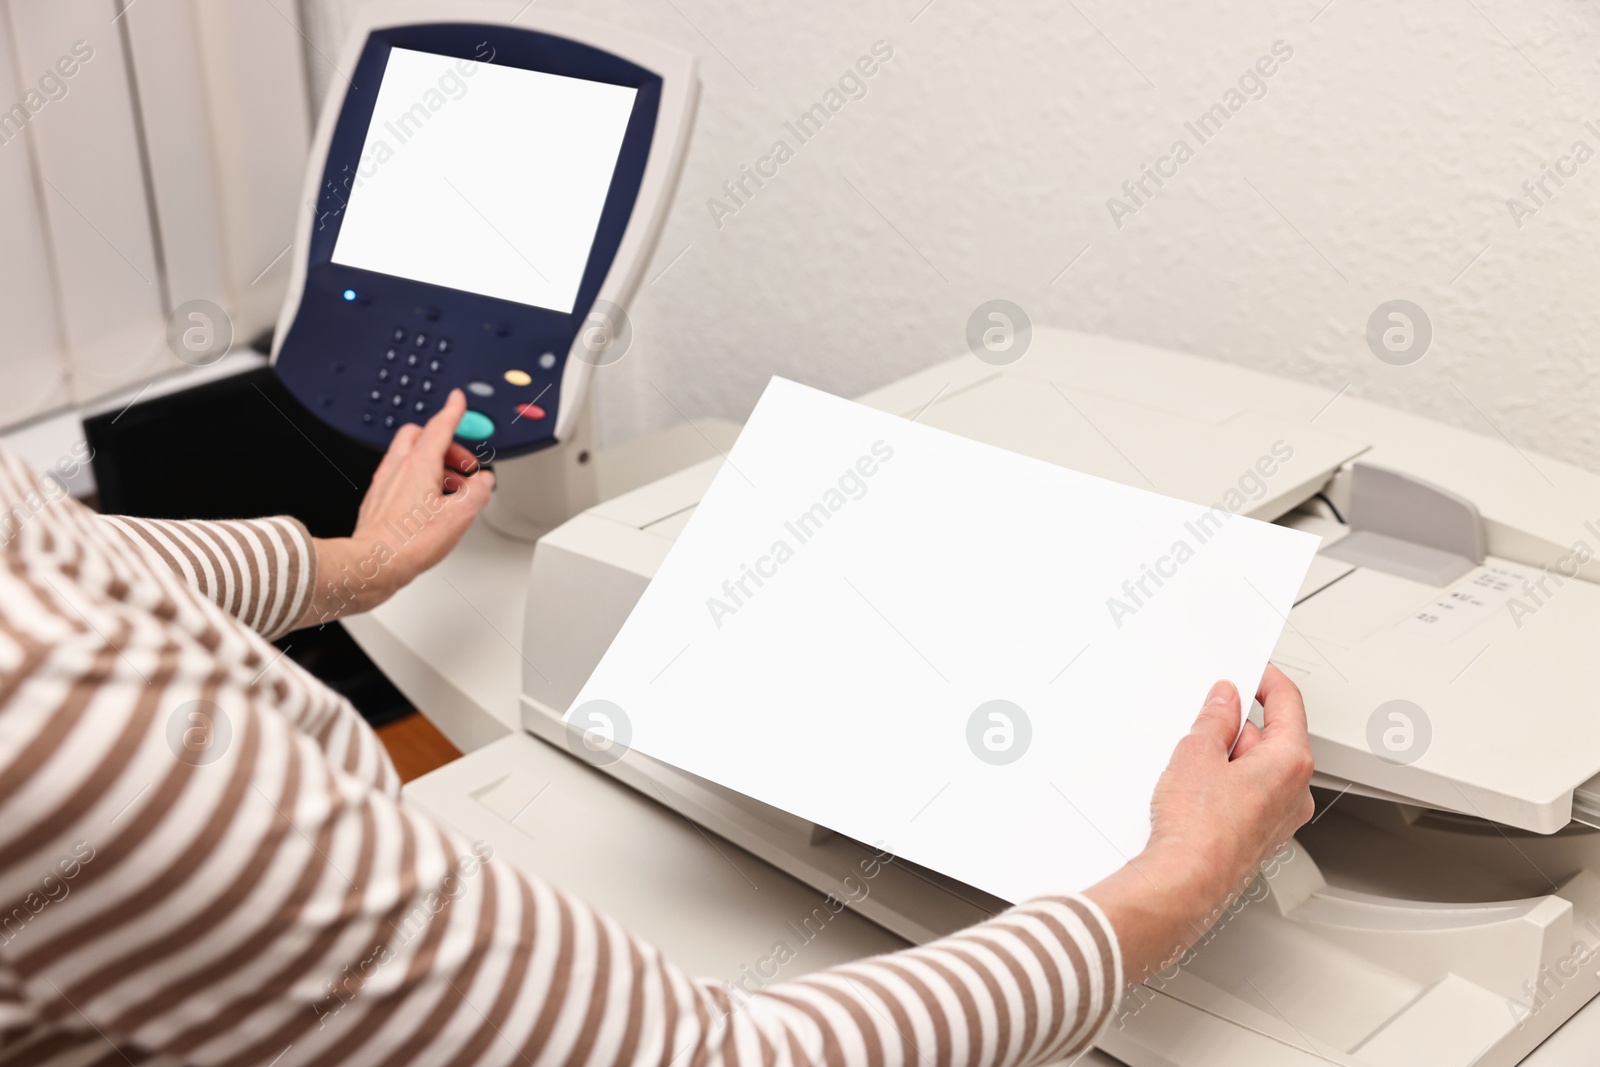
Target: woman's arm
{"type": "Point", "coordinates": [275, 577]}
{"type": "Point", "coordinates": [268, 904]}
{"type": "Point", "coordinates": [260, 571]}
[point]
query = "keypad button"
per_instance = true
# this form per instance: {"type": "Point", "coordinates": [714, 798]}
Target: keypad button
{"type": "Point", "coordinates": [412, 360]}
{"type": "Point", "coordinates": [404, 380]}
{"type": "Point", "coordinates": [366, 417]}
{"type": "Point", "coordinates": [436, 365]}
{"type": "Point", "coordinates": [388, 422]}
{"type": "Point", "coordinates": [419, 406]}
{"type": "Point", "coordinates": [383, 374]}
{"type": "Point", "coordinates": [397, 400]}
{"type": "Point", "coordinates": [420, 340]}
{"type": "Point", "coordinates": [519, 377]}
{"type": "Point", "coordinates": [375, 395]}
{"type": "Point", "coordinates": [399, 334]}
{"type": "Point", "coordinates": [443, 346]}
{"type": "Point", "coordinates": [427, 385]}
{"type": "Point", "coordinates": [547, 360]}
{"type": "Point", "coordinates": [530, 411]}
{"type": "Point", "coordinates": [475, 426]}
{"type": "Point", "coordinates": [480, 389]}
{"type": "Point", "coordinates": [391, 355]}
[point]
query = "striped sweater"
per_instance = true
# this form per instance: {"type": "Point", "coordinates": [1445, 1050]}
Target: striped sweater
{"type": "Point", "coordinates": [204, 860]}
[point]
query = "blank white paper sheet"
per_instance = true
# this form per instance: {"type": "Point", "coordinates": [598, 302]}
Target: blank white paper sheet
{"type": "Point", "coordinates": [977, 660]}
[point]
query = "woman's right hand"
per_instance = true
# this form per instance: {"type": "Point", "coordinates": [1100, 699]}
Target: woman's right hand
{"type": "Point", "coordinates": [1216, 815]}
{"type": "Point", "coordinates": [1226, 812]}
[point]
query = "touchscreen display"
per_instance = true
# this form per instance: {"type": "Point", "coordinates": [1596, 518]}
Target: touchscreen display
{"type": "Point", "coordinates": [485, 178]}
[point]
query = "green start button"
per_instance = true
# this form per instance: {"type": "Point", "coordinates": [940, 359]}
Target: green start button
{"type": "Point", "coordinates": [475, 426]}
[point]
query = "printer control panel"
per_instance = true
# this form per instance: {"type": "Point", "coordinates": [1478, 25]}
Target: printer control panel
{"type": "Point", "coordinates": [478, 182]}
{"type": "Point", "coordinates": [390, 365]}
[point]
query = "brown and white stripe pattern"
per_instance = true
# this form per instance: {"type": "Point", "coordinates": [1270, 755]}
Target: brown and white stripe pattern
{"type": "Point", "coordinates": [265, 899]}
{"type": "Point", "coordinates": [257, 571]}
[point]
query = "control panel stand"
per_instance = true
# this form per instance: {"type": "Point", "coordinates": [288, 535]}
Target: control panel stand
{"type": "Point", "coordinates": [535, 493]}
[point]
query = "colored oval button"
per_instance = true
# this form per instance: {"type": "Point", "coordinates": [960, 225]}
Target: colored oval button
{"type": "Point", "coordinates": [530, 411]}
{"type": "Point", "coordinates": [519, 377]}
{"type": "Point", "coordinates": [475, 426]}
{"type": "Point", "coordinates": [480, 389]}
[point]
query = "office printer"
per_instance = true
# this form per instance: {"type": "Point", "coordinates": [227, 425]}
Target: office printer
{"type": "Point", "coordinates": [1444, 905]}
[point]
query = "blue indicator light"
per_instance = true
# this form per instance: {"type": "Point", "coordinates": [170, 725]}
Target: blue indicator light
{"type": "Point", "coordinates": [349, 294]}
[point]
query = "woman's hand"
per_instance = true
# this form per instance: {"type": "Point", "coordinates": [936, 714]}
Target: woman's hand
{"type": "Point", "coordinates": [1215, 817]}
{"type": "Point", "coordinates": [423, 496]}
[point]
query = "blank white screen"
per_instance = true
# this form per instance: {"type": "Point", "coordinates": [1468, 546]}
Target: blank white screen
{"type": "Point", "coordinates": [485, 178]}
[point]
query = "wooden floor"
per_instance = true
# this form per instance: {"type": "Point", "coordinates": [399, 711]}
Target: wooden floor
{"type": "Point", "coordinates": [415, 746]}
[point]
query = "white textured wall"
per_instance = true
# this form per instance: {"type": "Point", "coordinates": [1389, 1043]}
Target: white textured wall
{"type": "Point", "coordinates": [978, 165]}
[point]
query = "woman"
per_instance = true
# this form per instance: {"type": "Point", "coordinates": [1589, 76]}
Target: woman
{"type": "Point", "coordinates": [203, 856]}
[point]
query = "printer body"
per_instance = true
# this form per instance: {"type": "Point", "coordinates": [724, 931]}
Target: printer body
{"type": "Point", "coordinates": [1444, 905]}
